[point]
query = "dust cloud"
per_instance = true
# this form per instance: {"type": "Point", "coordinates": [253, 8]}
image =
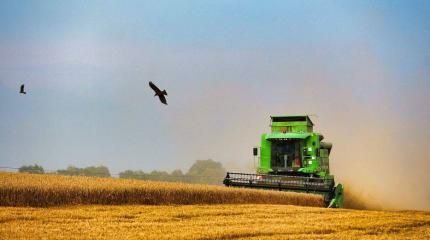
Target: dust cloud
{"type": "Point", "coordinates": [376, 122]}
{"type": "Point", "coordinates": [380, 153]}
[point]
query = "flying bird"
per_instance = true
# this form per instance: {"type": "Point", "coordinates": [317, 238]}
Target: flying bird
{"type": "Point", "coordinates": [159, 93]}
{"type": "Point", "coordinates": [22, 90]}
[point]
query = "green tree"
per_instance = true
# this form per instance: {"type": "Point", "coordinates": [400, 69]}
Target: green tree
{"type": "Point", "coordinates": [158, 176]}
{"type": "Point", "coordinates": [130, 174]}
{"type": "Point", "coordinates": [71, 171]}
{"type": "Point", "coordinates": [177, 176]}
{"type": "Point", "coordinates": [99, 171]}
{"type": "Point", "coordinates": [31, 169]}
{"type": "Point", "coordinates": [207, 172]}
{"type": "Point", "coordinates": [202, 171]}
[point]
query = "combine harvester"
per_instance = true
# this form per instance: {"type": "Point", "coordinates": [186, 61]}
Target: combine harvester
{"type": "Point", "coordinates": [292, 158]}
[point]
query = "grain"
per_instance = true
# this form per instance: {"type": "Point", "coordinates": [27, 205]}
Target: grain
{"type": "Point", "coordinates": [43, 190]}
{"type": "Point", "coordinates": [224, 221]}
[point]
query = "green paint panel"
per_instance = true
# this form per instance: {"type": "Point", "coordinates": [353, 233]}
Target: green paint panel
{"type": "Point", "coordinates": [264, 155]}
{"type": "Point", "coordinates": [314, 156]}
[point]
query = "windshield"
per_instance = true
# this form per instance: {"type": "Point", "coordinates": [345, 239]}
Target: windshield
{"type": "Point", "coordinates": [285, 154]}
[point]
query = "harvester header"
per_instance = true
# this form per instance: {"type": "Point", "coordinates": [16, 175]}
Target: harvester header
{"type": "Point", "coordinates": [292, 158]}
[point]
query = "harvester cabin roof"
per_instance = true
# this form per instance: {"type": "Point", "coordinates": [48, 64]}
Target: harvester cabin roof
{"type": "Point", "coordinates": [292, 118]}
{"type": "Point", "coordinates": [288, 123]}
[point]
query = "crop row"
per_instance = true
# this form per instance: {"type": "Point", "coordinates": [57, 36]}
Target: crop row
{"type": "Point", "coordinates": [43, 190]}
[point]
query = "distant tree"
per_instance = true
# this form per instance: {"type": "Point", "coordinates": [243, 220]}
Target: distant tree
{"type": "Point", "coordinates": [174, 176]}
{"type": "Point", "coordinates": [99, 171]}
{"type": "Point", "coordinates": [177, 176]}
{"type": "Point", "coordinates": [31, 169]}
{"type": "Point", "coordinates": [71, 171]}
{"type": "Point", "coordinates": [130, 174]}
{"type": "Point", "coordinates": [159, 176]}
{"type": "Point", "coordinates": [202, 171]}
{"type": "Point", "coordinates": [126, 174]}
{"type": "Point", "coordinates": [206, 171]}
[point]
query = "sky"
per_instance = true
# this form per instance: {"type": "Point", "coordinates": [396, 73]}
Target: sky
{"type": "Point", "coordinates": [361, 68]}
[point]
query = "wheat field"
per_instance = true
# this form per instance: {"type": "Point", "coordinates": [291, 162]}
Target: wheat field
{"type": "Point", "coordinates": [57, 207]}
{"type": "Point", "coordinates": [225, 221]}
{"type": "Point", "coordinates": [42, 190]}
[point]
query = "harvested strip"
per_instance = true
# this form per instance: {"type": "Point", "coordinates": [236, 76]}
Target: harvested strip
{"type": "Point", "coordinates": [43, 190]}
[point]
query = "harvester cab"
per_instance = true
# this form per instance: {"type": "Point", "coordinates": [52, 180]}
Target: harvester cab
{"type": "Point", "coordinates": [292, 158]}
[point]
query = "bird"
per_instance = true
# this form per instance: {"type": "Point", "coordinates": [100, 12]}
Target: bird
{"type": "Point", "coordinates": [159, 93]}
{"type": "Point", "coordinates": [22, 91]}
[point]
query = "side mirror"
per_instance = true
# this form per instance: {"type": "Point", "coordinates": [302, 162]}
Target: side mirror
{"type": "Point", "coordinates": [255, 151]}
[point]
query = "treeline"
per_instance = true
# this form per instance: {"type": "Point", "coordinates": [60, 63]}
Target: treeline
{"type": "Point", "coordinates": [202, 171]}
{"type": "Point", "coordinates": [99, 171]}
{"type": "Point", "coordinates": [31, 169]}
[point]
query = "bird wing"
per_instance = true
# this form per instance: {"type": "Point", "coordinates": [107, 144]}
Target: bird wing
{"type": "Point", "coordinates": [22, 88]}
{"type": "Point", "coordinates": [162, 99]}
{"type": "Point", "coordinates": [155, 88]}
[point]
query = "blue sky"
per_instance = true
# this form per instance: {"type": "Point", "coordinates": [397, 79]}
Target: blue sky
{"type": "Point", "coordinates": [361, 66]}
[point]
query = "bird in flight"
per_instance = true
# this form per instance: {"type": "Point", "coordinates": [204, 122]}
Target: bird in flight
{"type": "Point", "coordinates": [159, 93]}
{"type": "Point", "coordinates": [22, 90]}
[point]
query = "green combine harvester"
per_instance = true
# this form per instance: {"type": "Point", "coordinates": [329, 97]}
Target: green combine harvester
{"type": "Point", "coordinates": [292, 158]}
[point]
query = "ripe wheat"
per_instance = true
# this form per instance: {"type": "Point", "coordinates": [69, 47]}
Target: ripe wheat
{"type": "Point", "coordinates": [42, 190]}
{"type": "Point", "coordinates": [225, 221]}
